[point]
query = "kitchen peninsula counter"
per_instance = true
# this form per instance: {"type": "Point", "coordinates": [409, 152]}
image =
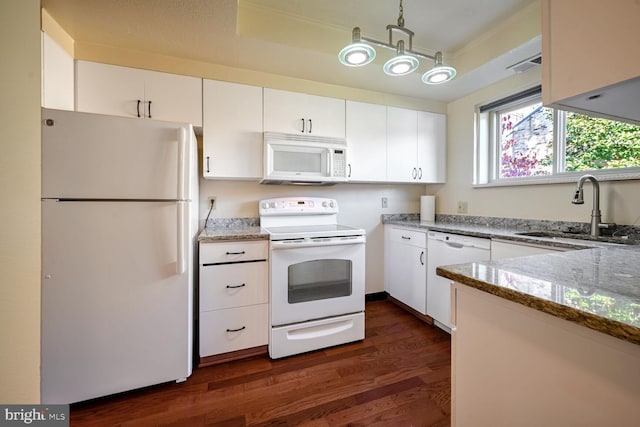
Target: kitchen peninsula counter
{"type": "Point", "coordinates": [551, 339]}
{"type": "Point", "coordinates": [595, 285]}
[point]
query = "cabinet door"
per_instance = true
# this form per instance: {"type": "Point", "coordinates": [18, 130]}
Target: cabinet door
{"type": "Point", "coordinates": [299, 113]}
{"type": "Point", "coordinates": [501, 249]}
{"type": "Point", "coordinates": [233, 285]}
{"type": "Point", "coordinates": [124, 91]}
{"type": "Point", "coordinates": [574, 33]}
{"type": "Point", "coordinates": [232, 130]}
{"type": "Point", "coordinates": [407, 268]}
{"type": "Point", "coordinates": [57, 76]}
{"type": "Point", "coordinates": [233, 329]}
{"type": "Point", "coordinates": [432, 146]}
{"type": "Point", "coordinates": [109, 89]}
{"type": "Point", "coordinates": [367, 140]}
{"type": "Point", "coordinates": [402, 129]}
{"type": "Point", "coordinates": [173, 97]}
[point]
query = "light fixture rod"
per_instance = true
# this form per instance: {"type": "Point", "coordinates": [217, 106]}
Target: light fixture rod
{"type": "Point", "coordinates": [392, 47]}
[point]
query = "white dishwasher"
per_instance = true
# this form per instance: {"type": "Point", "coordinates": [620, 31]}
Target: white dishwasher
{"type": "Point", "coordinates": [447, 249]}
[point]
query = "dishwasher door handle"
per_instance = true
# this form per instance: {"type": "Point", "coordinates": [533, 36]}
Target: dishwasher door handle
{"type": "Point", "coordinates": [455, 245]}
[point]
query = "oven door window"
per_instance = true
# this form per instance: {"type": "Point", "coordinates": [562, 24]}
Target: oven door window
{"type": "Point", "coordinates": [319, 279]}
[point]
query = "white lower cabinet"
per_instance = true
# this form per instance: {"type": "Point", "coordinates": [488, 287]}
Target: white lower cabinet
{"type": "Point", "coordinates": [406, 266]}
{"type": "Point", "coordinates": [234, 301]}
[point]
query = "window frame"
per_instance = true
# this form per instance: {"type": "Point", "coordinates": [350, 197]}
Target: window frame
{"type": "Point", "coordinates": [487, 147]}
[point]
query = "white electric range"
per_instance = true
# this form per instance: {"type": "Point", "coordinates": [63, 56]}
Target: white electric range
{"type": "Point", "coordinates": [317, 275]}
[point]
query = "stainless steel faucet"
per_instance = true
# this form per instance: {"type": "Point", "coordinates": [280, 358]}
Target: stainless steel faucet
{"type": "Point", "coordinates": [596, 216]}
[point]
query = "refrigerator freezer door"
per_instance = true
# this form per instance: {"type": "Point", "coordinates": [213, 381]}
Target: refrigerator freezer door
{"type": "Point", "coordinates": [94, 156]}
{"type": "Point", "coordinates": [115, 314]}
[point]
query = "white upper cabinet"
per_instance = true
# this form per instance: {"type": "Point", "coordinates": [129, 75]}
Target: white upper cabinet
{"type": "Point", "coordinates": [132, 92]}
{"type": "Point", "coordinates": [402, 145]}
{"type": "Point", "coordinates": [299, 113]}
{"type": "Point", "coordinates": [232, 130]}
{"type": "Point", "coordinates": [590, 57]}
{"type": "Point", "coordinates": [57, 76]}
{"type": "Point", "coordinates": [416, 146]}
{"type": "Point", "coordinates": [367, 142]}
{"type": "Point", "coordinates": [432, 147]}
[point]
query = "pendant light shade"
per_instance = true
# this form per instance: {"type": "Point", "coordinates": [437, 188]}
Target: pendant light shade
{"type": "Point", "coordinates": [357, 53]}
{"type": "Point", "coordinates": [439, 73]}
{"type": "Point", "coordinates": [401, 64]}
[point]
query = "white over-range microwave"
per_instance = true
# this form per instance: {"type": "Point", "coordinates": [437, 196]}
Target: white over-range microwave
{"type": "Point", "coordinates": [304, 159]}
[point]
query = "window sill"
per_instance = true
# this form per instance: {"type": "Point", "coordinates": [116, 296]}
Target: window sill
{"type": "Point", "coordinates": [564, 178]}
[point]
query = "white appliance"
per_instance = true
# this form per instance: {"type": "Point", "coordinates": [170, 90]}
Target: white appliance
{"type": "Point", "coordinates": [119, 227]}
{"type": "Point", "coordinates": [448, 249]}
{"type": "Point", "coordinates": [317, 277]}
{"type": "Point", "coordinates": [304, 159]}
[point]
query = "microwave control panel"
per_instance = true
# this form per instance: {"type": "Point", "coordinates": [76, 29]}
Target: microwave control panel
{"type": "Point", "coordinates": [339, 163]}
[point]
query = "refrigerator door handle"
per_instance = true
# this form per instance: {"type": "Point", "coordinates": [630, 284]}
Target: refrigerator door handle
{"type": "Point", "coordinates": [181, 238]}
{"type": "Point", "coordinates": [183, 166]}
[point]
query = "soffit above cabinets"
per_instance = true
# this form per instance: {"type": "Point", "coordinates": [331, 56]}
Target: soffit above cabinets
{"type": "Point", "coordinates": [301, 39]}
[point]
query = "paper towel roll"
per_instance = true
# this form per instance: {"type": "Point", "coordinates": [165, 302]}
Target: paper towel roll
{"type": "Point", "coordinates": [427, 208]}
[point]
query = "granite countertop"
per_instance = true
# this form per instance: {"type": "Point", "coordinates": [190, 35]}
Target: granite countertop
{"type": "Point", "coordinates": [597, 285]}
{"type": "Point", "coordinates": [227, 229]}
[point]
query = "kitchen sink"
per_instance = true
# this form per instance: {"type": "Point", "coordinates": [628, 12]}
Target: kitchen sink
{"type": "Point", "coordinates": [579, 236]}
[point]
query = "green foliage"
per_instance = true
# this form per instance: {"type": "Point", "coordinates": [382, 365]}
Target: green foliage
{"type": "Point", "coordinates": [595, 143]}
{"type": "Point", "coordinates": [623, 311]}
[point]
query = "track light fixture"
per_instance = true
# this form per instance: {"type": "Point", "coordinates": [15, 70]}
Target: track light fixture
{"type": "Point", "coordinates": [360, 52]}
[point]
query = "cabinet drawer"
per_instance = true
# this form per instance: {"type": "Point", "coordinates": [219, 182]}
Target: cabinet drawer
{"type": "Point", "coordinates": [409, 237]}
{"type": "Point", "coordinates": [215, 253]}
{"type": "Point", "coordinates": [233, 285]}
{"type": "Point", "coordinates": [232, 329]}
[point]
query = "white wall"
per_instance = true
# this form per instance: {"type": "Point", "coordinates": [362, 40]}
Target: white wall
{"type": "Point", "coordinates": [360, 206]}
{"type": "Point", "coordinates": [619, 200]}
{"type": "Point", "coordinates": [20, 208]}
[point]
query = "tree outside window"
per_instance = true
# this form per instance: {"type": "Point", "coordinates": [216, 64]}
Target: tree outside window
{"type": "Point", "coordinates": [528, 142]}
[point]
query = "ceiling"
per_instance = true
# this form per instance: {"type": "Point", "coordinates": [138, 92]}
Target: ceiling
{"type": "Point", "coordinates": [301, 38]}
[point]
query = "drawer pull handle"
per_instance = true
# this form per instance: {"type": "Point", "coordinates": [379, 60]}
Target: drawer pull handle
{"type": "Point", "coordinates": [406, 238]}
{"type": "Point", "coordinates": [237, 330]}
{"type": "Point", "coordinates": [236, 253]}
{"type": "Point", "coordinates": [235, 286]}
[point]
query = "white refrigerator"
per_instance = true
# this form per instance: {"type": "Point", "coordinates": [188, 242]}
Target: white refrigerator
{"type": "Point", "coordinates": [119, 229]}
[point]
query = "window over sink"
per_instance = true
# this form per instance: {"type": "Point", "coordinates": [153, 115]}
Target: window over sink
{"type": "Point", "coordinates": [519, 141]}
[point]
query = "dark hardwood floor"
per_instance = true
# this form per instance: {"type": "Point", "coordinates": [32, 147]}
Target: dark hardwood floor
{"type": "Point", "coordinates": [400, 375]}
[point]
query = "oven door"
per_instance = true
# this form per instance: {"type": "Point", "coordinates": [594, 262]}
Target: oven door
{"type": "Point", "coordinates": [316, 278]}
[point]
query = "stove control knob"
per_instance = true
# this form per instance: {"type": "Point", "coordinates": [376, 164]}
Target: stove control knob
{"type": "Point", "coordinates": [274, 205]}
{"type": "Point", "coordinates": [324, 204]}
{"type": "Point", "coordinates": [310, 204]}
{"type": "Point", "coordinates": [265, 205]}
{"type": "Point", "coordinates": [332, 204]}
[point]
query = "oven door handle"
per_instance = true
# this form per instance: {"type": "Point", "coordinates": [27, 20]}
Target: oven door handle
{"type": "Point", "coordinates": [309, 243]}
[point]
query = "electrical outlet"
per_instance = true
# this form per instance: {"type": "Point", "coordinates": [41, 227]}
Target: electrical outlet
{"type": "Point", "coordinates": [385, 202]}
{"type": "Point", "coordinates": [212, 202]}
{"type": "Point", "coordinates": [463, 207]}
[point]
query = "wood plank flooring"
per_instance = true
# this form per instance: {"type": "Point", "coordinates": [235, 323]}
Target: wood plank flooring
{"type": "Point", "coordinates": [400, 375]}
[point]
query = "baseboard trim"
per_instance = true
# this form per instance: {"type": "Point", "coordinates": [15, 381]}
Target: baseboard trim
{"type": "Point", "coordinates": [423, 317]}
{"type": "Point", "coordinates": [376, 296]}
